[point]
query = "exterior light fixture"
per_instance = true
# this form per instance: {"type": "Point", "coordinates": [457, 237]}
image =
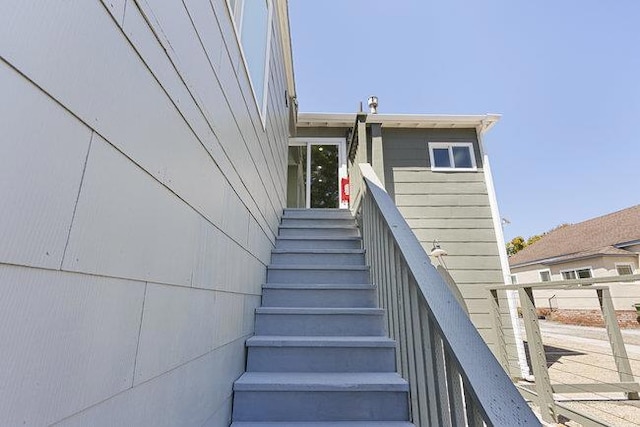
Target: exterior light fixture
{"type": "Point", "coordinates": [437, 251]}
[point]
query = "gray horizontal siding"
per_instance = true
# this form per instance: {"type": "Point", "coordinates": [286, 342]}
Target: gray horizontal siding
{"type": "Point", "coordinates": [452, 207]}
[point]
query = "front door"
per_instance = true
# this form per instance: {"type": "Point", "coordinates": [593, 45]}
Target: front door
{"type": "Point", "coordinates": [316, 169]}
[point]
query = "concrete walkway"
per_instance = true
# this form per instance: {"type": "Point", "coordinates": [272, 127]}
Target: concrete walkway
{"type": "Point", "coordinates": [580, 354]}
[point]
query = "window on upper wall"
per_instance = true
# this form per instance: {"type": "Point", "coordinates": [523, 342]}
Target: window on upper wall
{"type": "Point", "coordinates": [252, 22]}
{"type": "Point", "coordinates": [579, 273]}
{"type": "Point", "coordinates": [545, 275]}
{"type": "Point", "coordinates": [624, 269]}
{"type": "Point", "coordinates": [514, 279]}
{"type": "Point", "coordinates": [452, 156]}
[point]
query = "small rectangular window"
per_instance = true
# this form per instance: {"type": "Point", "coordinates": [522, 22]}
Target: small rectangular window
{"type": "Point", "coordinates": [584, 273]}
{"type": "Point", "coordinates": [578, 273]}
{"type": "Point", "coordinates": [514, 279]}
{"type": "Point", "coordinates": [452, 156]}
{"type": "Point", "coordinates": [545, 276]}
{"type": "Point", "coordinates": [624, 269]}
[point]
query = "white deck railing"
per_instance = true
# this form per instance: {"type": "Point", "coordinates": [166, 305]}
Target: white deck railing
{"type": "Point", "coordinates": [454, 378]}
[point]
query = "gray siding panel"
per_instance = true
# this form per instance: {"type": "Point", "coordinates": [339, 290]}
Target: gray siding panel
{"type": "Point", "coordinates": [143, 159]}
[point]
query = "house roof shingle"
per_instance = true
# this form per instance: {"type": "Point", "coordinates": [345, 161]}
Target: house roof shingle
{"type": "Point", "coordinates": [596, 236]}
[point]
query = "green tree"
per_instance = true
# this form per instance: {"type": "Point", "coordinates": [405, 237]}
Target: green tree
{"type": "Point", "coordinates": [516, 245]}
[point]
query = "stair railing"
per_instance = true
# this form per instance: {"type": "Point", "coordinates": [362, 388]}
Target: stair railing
{"type": "Point", "coordinates": [454, 378]}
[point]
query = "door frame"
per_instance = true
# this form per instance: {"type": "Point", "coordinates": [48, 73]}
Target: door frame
{"type": "Point", "coordinates": [342, 163]}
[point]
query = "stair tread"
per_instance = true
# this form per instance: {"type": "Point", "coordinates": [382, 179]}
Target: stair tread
{"type": "Point", "coordinates": [319, 341]}
{"type": "Point", "coordinates": [316, 226]}
{"type": "Point", "coordinates": [319, 238]}
{"type": "Point", "coordinates": [320, 286]}
{"type": "Point", "coordinates": [321, 381]}
{"type": "Point", "coordinates": [317, 251]}
{"type": "Point", "coordinates": [324, 424]}
{"type": "Point", "coordinates": [319, 310]}
{"type": "Point", "coordinates": [317, 267]}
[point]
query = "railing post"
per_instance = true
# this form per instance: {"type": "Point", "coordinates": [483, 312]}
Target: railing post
{"type": "Point", "coordinates": [615, 339]}
{"type": "Point", "coordinates": [501, 345]}
{"type": "Point", "coordinates": [454, 388]}
{"type": "Point", "coordinates": [538, 356]}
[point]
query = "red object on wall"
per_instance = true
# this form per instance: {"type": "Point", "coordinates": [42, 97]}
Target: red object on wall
{"type": "Point", "coordinates": [344, 190]}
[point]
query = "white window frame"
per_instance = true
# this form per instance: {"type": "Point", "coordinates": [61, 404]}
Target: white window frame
{"type": "Point", "coordinates": [624, 264]}
{"type": "Point", "coordinates": [543, 271]}
{"type": "Point", "coordinates": [449, 146]}
{"type": "Point", "coordinates": [236, 19]}
{"type": "Point", "coordinates": [575, 270]}
{"type": "Point", "coordinates": [514, 279]}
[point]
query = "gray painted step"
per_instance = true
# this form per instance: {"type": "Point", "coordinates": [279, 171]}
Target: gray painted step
{"type": "Point", "coordinates": [318, 295]}
{"type": "Point", "coordinates": [318, 231]}
{"type": "Point", "coordinates": [320, 354]}
{"type": "Point", "coordinates": [324, 424]}
{"type": "Point", "coordinates": [318, 243]}
{"type": "Point", "coordinates": [319, 321]}
{"type": "Point", "coordinates": [318, 256]}
{"type": "Point", "coordinates": [317, 213]}
{"type": "Point", "coordinates": [317, 274]}
{"type": "Point", "coordinates": [306, 222]}
{"type": "Point", "coordinates": [277, 396]}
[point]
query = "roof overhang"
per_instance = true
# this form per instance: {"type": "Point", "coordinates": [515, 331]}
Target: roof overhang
{"type": "Point", "coordinates": [568, 258]}
{"type": "Point", "coordinates": [482, 123]}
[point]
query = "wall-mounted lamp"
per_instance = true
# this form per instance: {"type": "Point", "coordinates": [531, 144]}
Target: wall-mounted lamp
{"type": "Point", "coordinates": [436, 250]}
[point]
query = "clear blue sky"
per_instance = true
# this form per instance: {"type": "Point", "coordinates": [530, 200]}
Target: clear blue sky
{"type": "Point", "coordinates": [565, 75]}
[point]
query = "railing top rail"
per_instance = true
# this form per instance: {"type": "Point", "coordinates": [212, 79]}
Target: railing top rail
{"type": "Point", "coordinates": [570, 284]}
{"type": "Point", "coordinates": [497, 397]}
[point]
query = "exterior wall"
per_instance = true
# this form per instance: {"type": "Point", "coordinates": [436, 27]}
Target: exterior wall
{"type": "Point", "coordinates": [624, 295]}
{"type": "Point", "coordinates": [141, 198]}
{"type": "Point", "coordinates": [452, 207]}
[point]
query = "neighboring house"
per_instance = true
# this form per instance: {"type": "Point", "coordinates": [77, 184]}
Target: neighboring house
{"type": "Point", "coordinates": [608, 245]}
{"type": "Point", "coordinates": [143, 173]}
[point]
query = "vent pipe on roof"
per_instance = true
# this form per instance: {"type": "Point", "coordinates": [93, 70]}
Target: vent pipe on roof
{"type": "Point", "coordinates": [373, 104]}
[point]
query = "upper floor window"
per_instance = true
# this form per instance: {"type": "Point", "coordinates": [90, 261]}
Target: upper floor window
{"type": "Point", "coordinates": [624, 269]}
{"type": "Point", "coordinates": [452, 156]}
{"type": "Point", "coordinates": [545, 275]}
{"type": "Point", "coordinates": [514, 279]}
{"type": "Point", "coordinates": [252, 21]}
{"type": "Point", "coordinates": [579, 273]}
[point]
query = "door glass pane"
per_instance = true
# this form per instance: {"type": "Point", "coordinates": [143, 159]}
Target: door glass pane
{"type": "Point", "coordinates": [462, 157]}
{"type": "Point", "coordinates": [441, 158]}
{"type": "Point", "coordinates": [324, 176]}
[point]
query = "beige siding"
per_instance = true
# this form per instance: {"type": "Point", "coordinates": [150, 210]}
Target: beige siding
{"type": "Point", "coordinates": [624, 295]}
{"type": "Point", "coordinates": [142, 197]}
{"type": "Point", "coordinates": [452, 207]}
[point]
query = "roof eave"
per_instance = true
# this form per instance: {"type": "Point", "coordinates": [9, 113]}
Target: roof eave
{"type": "Point", "coordinates": [482, 122]}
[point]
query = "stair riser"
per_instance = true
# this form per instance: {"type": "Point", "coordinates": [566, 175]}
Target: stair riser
{"type": "Point", "coordinates": [318, 244]}
{"type": "Point", "coordinates": [319, 324]}
{"type": "Point", "coordinates": [303, 233]}
{"type": "Point", "coordinates": [317, 214]}
{"type": "Point", "coordinates": [317, 259]}
{"type": "Point", "coordinates": [306, 276]}
{"type": "Point", "coordinates": [320, 406]}
{"type": "Point", "coordinates": [301, 222]}
{"type": "Point", "coordinates": [334, 298]}
{"type": "Point", "coordinates": [321, 359]}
